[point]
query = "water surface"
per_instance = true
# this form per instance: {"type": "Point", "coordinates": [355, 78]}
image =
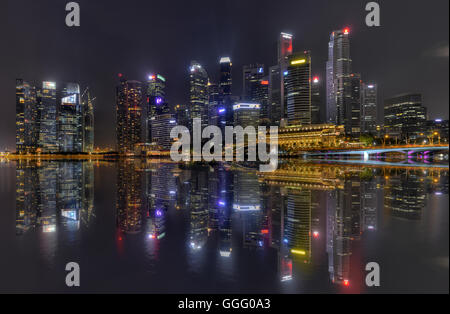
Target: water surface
{"type": "Point", "coordinates": [156, 227]}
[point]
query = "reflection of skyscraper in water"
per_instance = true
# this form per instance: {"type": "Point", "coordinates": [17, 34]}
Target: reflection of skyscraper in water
{"type": "Point", "coordinates": [225, 188]}
{"type": "Point", "coordinates": [297, 222]}
{"type": "Point", "coordinates": [198, 203]}
{"type": "Point", "coordinates": [405, 194]}
{"type": "Point", "coordinates": [70, 198]}
{"type": "Point", "coordinates": [52, 194]}
{"type": "Point", "coordinates": [130, 206]}
{"type": "Point", "coordinates": [161, 189]}
{"type": "Point", "coordinates": [247, 193]}
{"type": "Point", "coordinates": [48, 175]}
{"type": "Point", "coordinates": [27, 196]}
{"type": "Point", "coordinates": [343, 225]}
{"type": "Point", "coordinates": [247, 201]}
{"type": "Point", "coordinates": [369, 200]}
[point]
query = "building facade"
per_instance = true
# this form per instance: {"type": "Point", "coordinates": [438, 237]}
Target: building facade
{"type": "Point", "coordinates": [297, 82]}
{"type": "Point", "coordinates": [369, 108]}
{"type": "Point", "coordinates": [129, 103]}
{"type": "Point", "coordinates": [404, 116]}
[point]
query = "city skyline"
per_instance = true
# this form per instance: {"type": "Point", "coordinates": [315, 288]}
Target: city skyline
{"type": "Point", "coordinates": [262, 51]}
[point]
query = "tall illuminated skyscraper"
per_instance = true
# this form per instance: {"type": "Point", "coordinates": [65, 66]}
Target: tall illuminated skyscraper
{"type": "Point", "coordinates": [405, 116]}
{"type": "Point", "coordinates": [129, 115]}
{"type": "Point", "coordinates": [225, 89]}
{"type": "Point", "coordinates": [369, 108]}
{"type": "Point", "coordinates": [198, 93]}
{"type": "Point", "coordinates": [26, 118]}
{"type": "Point", "coordinates": [48, 135]}
{"type": "Point", "coordinates": [298, 89]}
{"type": "Point", "coordinates": [277, 98]}
{"type": "Point", "coordinates": [316, 101]}
{"type": "Point", "coordinates": [88, 121]}
{"type": "Point", "coordinates": [226, 79]}
{"type": "Point", "coordinates": [256, 87]}
{"type": "Point", "coordinates": [339, 78]}
{"type": "Point", "coordinates": [252, 76]}
{"type": "Point", "coordinates": [275, 88]}
{"type": "Point", "coordinates": [70, 120]}
{"type": "Point", "coordinates": [353, 118]}
{"type": "Point", "coordinates": [156, 97]}
{"type": "Point", "coordinates": [215, 111]}
{"type": "Point", "coordinates": [330, 116]}
{"type": "Point", "coordinates": [285, 46]}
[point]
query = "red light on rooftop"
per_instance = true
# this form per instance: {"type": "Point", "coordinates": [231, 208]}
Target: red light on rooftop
{"type": "Point", "coordinates": [316, 79]}
{"type": "Point", "coordinates": [346, 31]}
{"type": "Point", "coordinates": [120, 74]}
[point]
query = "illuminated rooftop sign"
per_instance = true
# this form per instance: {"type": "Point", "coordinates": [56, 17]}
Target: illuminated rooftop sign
{"type": "Point", "coordinates": [225, 60]}
{"type": "Point", "coordinates": [246, 106]}
{"type": "Point", "coordinates": [49, 85]}
{"type": "Point", "coordinates": [72, 99]}
{"type": "Point", "coordinates": [300, 61]}
{"type": "Point", "coordinates": [286, 35]}
{"type": "Point", "coordinates": [162, 78]}
{"type": "Point", "coordinates": [246, 208]}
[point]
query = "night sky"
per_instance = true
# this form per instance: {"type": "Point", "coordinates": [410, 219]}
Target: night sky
{"type": "Point", "coordinates": [408, 53]}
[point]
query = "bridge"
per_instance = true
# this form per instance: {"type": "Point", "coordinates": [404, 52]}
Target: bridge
{"type": "Point", "coordinates": [366, 152]}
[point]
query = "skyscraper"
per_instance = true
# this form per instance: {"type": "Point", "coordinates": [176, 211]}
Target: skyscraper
{"type": "Point", "coordinates": [285, 46]}
{"type": "Point", "coordinates": [225, 89]}
{"type": "Point", "coordinates": [256, 87]}
{"type": "Point", "coordinates": [369, 109]}
{"type": "Point", "coordinates": [56, 119]}
{"type": "Point", "coordinates": [198, 93]}
{"type": "Point", "coordinates": [252, 76]}
{"type": "Point", "coordinates": [330, 115]}
{"type": "Point", "coordinates": [155, 99]}
{"type": "Point", "coordinates": [70, 120]}
{"type": "Point", "coordinates": [48, 128]}
{"type": "Point", "coordinates": [247, 115]}
{"type": "Point", "coordinates": [285, 49]}
{"type": "Point", "coordinates": [353, 127]}
{"type": "Point", "coordinates": [129, 115]}
{"type": "Point", "coordinates": [162, 124]}
{"type": "Point", "coordinates": [226, 79]}
{"type": "Point", "coordinates": [405, 116]}
{"type": "Point", "coordinates": [275, 103]}
{"type": "Point", "coordinates": [26, 118]}
{"type": "Point", "coordinates": [297, 83]}
{"type": "Point", "coordinates": [316, 102]}
{"type": "Point", "coordinates": [213, 103]}
{"type": "Point", "coordinates": [339, 78]}
{"type": "Point", "coordinates": [88, 123]}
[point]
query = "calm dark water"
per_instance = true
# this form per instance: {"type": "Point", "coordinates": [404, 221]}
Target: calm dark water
{"type": "Point", "coordinates": [153, 227]}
